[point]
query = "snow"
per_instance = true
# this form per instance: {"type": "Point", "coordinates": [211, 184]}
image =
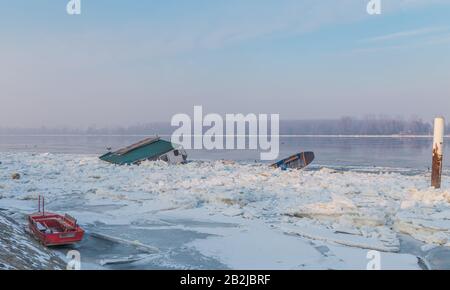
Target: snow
{"type": "Point", "coordinates": [343, 238]}
{"type": "Point", "coordinates": [282, 217]}
{"type": "Point", "coordinates": [255, 246]}
{"type": "Point", "coordinates": [19, 251]}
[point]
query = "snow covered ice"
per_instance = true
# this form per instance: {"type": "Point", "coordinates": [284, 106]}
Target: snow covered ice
{"type": "Point", "coordinates": [19, 252]}
{"type": "Point", "coordinates": [239, 215]}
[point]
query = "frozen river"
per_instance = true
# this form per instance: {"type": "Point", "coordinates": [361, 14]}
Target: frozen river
{"type": "Point", "coordinates": [402, 152]}
{"type": "Point", "coordinates": [361, 194]}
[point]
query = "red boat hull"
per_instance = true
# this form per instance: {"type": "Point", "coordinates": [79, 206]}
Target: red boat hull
{"type": "Point", "coordinates": [55, 230]}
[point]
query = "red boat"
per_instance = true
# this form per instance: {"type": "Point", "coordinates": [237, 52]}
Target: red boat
{"type": "Point", "coordinates": [52, 229]}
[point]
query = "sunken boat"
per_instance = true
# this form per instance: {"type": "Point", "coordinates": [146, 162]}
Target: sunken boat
{"type": "Point", "coordinates": [296, 161]}
{"type": "Point", "coordinates": [152, 149]}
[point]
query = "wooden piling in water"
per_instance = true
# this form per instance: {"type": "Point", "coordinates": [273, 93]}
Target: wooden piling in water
{"type": "Point", "coordinates": [438, 146]}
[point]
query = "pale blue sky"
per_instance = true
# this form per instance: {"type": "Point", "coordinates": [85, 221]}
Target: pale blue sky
{"type": "Point", "coordinates": [128, 62]}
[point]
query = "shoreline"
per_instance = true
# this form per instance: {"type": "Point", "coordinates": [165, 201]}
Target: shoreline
{"type": "Point", "coordinates": [20, 251]}
{"type": "Point", "coordinates": [280, 135]}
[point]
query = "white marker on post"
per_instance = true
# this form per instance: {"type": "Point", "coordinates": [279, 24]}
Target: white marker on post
{"type": "Point", "coordinates": [438, 149]}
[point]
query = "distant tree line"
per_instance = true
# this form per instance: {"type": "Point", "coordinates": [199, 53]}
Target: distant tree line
{"type": "Point", "coordinates": [342, 126]}
{"type": "Point", "coordinates": [354, 126]}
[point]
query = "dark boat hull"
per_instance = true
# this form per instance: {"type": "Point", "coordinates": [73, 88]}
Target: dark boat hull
{"type": "Point", "coordinates": [297, 161]}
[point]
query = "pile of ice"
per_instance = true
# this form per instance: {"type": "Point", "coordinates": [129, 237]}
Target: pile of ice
{"type": "Point", "coordinates": [425, 215]}
{"type": "Point", "coordinates": [356, 209]}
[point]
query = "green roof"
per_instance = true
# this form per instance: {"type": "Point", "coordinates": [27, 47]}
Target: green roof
{"type": "Point", "coordinates": [150, 148]}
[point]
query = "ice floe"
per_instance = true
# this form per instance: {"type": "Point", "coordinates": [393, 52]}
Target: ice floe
{"type": "Point", "coordinates": [350, 209]}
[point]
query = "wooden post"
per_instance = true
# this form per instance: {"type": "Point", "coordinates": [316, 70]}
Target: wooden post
{"type": "Point", "coordinates": [438, 146]}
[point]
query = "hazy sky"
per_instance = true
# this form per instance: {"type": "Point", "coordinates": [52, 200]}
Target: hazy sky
{"type": "Point", "coordinates": [128, 62]}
